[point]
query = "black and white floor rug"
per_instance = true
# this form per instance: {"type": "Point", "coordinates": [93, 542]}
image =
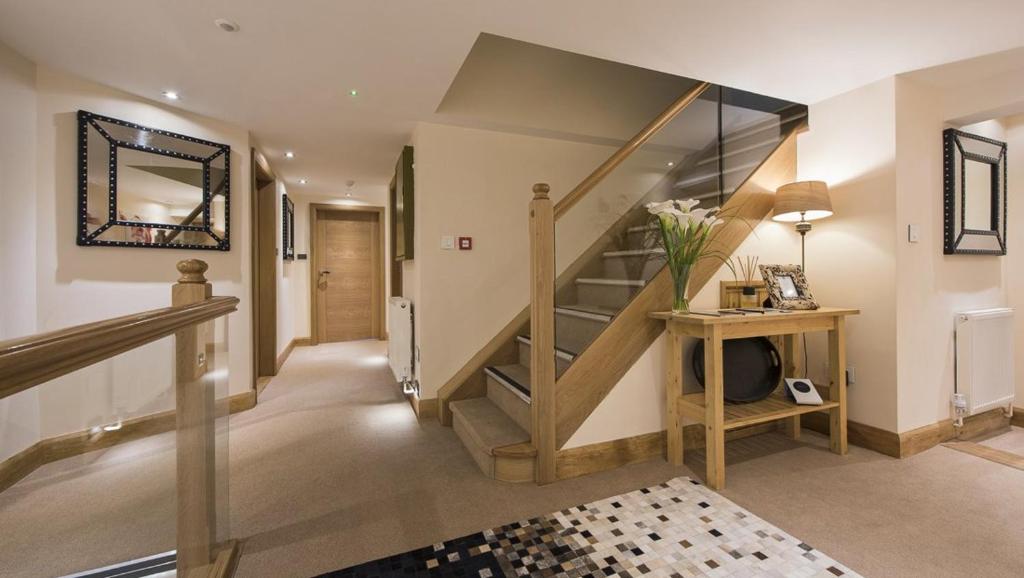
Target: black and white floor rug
{"type": "Point", "coordinates": [676, 529]}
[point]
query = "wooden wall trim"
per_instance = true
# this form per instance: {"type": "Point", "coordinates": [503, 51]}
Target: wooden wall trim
{"type": "Point", "coordinates": [1018, 417]}
{"type": "Point", "coordinates": [29, 361]}
{"type": "Point", "coordinates": [56, 448]}
{"type": "Point", "coordinates": [296, 342]}
{"type": "Point", "coordinates": [423, 408]}
{"type": "Point", "coordinates": [603, 363]}
{"type": "Point", "coordinates": [314, 298]}
{"type": "Point", "coordinates": [593, 458]}
{"type": "Point", "coordinates": [915, 441]}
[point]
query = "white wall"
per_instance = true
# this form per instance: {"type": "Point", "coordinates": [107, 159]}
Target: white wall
{"type": "Point", "coordinates": [72, 285]}
{"type": "Point", "coordinates": [19, 414]}
{"type": "Point", "coordinates": [1014, 130]}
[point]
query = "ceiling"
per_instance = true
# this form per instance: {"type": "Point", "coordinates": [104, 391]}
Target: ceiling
{"type": "Point", "coordinates": [286, 74]}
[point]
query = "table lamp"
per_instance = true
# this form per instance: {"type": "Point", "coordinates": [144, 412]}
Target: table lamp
{"type": "Point", "coordinates": [801, 203]}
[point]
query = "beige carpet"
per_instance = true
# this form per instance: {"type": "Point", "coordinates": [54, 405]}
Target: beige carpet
{"type": "Point", "coordinates": [332, 469]}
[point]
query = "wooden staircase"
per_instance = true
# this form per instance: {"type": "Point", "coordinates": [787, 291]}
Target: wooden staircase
{"type": "Point", "coordinates": [600, 305]}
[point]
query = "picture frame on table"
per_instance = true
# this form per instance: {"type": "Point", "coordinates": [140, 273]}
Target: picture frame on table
{"type": "Point", "coordinates": [787, 287]}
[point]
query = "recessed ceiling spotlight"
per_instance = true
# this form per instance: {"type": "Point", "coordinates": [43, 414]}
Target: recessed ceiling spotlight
{"type": "Point", "coordinates": [303, 181]}
{"type": "Point", "coordinates": [349, 195]}
{"type": "Point", "coordinates": [671, 164]}
{"type": "Point", "coordinates": [226, 25]}
{"type": "Point", "coordinates": [289, 155]}
{"type": "Point", "coordinates": [170, 95]}
{"type": "Point", "coordinates": [353, 92]}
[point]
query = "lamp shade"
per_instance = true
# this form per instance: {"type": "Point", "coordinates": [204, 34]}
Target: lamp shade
{"type": "Point", "coordinates": [804, 200]}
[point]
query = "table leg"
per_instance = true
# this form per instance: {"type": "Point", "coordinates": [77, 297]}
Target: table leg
{"type": "Point", "coordinates": [714, 420]}
{"type": "Point", "coordinates": [837, 386]}
{"type": "Point", "coordinates": [673, 391]}
{"type": "Point", "coordinates": [790, 365]}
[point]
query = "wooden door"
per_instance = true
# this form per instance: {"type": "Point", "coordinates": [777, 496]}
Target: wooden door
{"type": "Point", "coordinates": [348, 281]}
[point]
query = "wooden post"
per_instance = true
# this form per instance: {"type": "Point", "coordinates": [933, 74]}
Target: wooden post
{"type": "Point", "coordinates": [837, 386]}
{"type": "Point", "coordinates": [197, 523]}
{"type": "Point", "coordinates": [674, 389]}
{"type": "Point", "coordinates": [790, 368]}
{"type": "Point", "coordinates": [542, 331]}
{"type": "Point", "coordinates": [714, 400]}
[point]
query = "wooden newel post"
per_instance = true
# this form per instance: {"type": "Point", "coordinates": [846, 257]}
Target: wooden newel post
{"type": "Point", "coordinates": [542, 331]}
{"type": "Point", "coordinates": [194, 362]}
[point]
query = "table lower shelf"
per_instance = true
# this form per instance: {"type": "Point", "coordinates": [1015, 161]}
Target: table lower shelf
{"type": "Point", "coordinates": [737, 415]}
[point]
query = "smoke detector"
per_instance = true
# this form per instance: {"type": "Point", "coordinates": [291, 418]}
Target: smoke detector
{"type": "Point", "coordinates": [226, 25]}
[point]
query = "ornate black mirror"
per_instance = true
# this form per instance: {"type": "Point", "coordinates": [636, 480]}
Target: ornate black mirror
{"type": "Point", "coordinates": [143, 187]}
{"type": "Point", "coordinates": [974, 184]}
{"type": "Point", "coordinates": [287, 228]}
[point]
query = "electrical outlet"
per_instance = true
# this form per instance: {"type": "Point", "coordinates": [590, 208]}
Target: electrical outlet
{"type": "Point", "coordinates": [851, 375]}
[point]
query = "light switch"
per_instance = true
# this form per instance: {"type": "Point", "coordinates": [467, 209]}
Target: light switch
{"type": "Point", "coordinates": [465, 243]}
{"type": "Point", "coordinates": [913, 233]}
{"type": "Point", "coordinates": [447, 242]}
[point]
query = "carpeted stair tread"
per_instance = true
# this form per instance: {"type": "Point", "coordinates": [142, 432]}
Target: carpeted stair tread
{"type": "Point", "coordinates": [489, 426]}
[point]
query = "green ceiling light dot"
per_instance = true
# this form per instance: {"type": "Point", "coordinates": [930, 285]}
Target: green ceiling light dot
{"type": "Point", "coordinates": [353, 92]}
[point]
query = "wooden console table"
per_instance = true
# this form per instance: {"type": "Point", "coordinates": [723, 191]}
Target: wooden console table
{"type": "Point", "coordinates": [709, 407]}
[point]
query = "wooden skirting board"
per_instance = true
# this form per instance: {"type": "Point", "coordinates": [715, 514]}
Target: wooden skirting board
{"type": "Point", "coordinates": [1018, 417]}
{"type": "Point", "coordinates": [297, 342]}
{"type": "Point", "coordinates": [593, 458]}
{"type": "Point", "coordinates": [52, 449]}
{"type": "Point", "coordinates": [424, 408]}
{"type": "Point", "coordinates": [906, 444]}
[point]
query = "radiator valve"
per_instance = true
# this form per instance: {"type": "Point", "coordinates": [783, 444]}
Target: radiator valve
{"type": "Point", "coordinates": [959, 409]}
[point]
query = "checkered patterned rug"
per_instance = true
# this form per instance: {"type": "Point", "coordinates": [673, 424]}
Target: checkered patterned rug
{"type": "Point", "coordinates": [676, 529]}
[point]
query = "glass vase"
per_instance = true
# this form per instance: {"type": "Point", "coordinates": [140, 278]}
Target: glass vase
{"type": "Point", "coordinates": [680, 283]}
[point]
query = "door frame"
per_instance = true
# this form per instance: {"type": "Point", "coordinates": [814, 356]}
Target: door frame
{"type": "Point", "coordinates": [264, 272]}
{"type": "Point", "coordinates": [314, 262]}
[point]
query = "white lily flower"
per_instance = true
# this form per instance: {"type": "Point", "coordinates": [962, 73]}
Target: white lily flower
{"type": "Point", "coordinates": [658, 208]}
{"type": "Point", "coordinates": [686, 205]}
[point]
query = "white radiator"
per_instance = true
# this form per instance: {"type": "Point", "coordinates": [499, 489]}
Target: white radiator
{"type": "Point", "coordinates": [400, 340]}
{"type": "Point", "coordinates": [984, 359]}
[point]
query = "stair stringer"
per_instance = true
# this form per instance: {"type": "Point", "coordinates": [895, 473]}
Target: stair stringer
{"type": "Point", "coordinates": [600, 367]}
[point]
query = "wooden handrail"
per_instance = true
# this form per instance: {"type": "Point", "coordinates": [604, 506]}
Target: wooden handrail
{"type": "Point", "coordinates": [587, 184]}
{"type": "Point", "coordinates": [29, 361]}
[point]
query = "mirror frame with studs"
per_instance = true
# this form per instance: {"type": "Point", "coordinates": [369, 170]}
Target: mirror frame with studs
{"type": "Point", "coordinates": [287, 228]}
{"type": "Point", "coordinates": [167, 235]}
{"type": "Point", "coordinates": [959, 147]}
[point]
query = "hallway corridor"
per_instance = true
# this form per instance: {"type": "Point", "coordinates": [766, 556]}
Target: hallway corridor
{"type": "Point", "coordinates": [332, 469]}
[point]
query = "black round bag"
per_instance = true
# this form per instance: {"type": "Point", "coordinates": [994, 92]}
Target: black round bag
{"type": "Point", "coordinates": [752, 368]}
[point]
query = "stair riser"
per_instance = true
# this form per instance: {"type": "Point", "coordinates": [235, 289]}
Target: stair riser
{"type": "Point", "coordinates": [510, 403]}
{"type": "Point", "coordinates": [611, 296]}
{"type": "Point", "coordinates": [574, 334]}
{"type": "Point", "coordinates": [484, 460]}
{"type": "Point", "coordinates": [524, 358]}
{"type": "Point", "coordinates": [633, 267]}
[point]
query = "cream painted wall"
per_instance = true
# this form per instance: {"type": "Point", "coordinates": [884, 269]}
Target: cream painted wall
{"type": "Point", "coordinates": [75, 285]}
{"type": "Point", "coordinates": [478, 183]}
{"type": "Point", "coordinates": [19, 414]}
{"type": "Point", "coordinates": [851, 256]}
{"type": "Point", "coordinates": [932, 287]}
{"type": "Point", "coordinates": [1014, 131]}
